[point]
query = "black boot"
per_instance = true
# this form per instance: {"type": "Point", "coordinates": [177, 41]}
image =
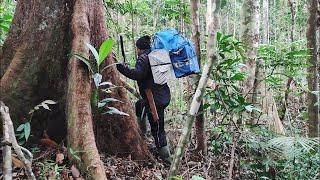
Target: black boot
{"type": "Point", "coordinates": [142, 125]}
{"type": "Point", "coordinates": [165, 154]}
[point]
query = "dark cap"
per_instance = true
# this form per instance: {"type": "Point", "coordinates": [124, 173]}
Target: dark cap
{"type": "Point", "coordinates": [143, 42]}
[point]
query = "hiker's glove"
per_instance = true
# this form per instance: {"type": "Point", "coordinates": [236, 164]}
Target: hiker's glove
{"type": "Point", "coordinates": [122, 66]}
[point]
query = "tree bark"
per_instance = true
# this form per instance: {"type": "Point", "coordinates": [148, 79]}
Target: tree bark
{"type": "Point", "coordinates": [194, 79]}
{"type": "Point", "coordinates": [292, 4]}
{"type": "Point", "coordinates": [196, 101]}
{"type": "Point", "coordinates": [265, 21]}
{"type": "Point", "coordinates": [6, 151]}
{"type": "Point", "coordinates": [263, 98]}
{"type": "Point", "coordinates": [17, 148]}
{"type": "Point", "coordinates": [33, 61]}
{"type": "Point", "coordinates": [250, 38]}
{"type": "Point", "coordinates": [312, 78]}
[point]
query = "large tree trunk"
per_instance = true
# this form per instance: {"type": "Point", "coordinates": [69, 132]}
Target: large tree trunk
{"type": "Point", "coordinates": [313, 81]}
{"type": "Point", "coordinates": [263, 98]}
{"type": "Point", "coordinates": [33, 61]}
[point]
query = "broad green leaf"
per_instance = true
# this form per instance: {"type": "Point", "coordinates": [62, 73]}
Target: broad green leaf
{"type": "Point", "coordinates": [49, 102]}
{"type": "Point", "coordinates": [113, 110]}
{"type": "Point", "coordinates": [27, 130]}
{"type": "Point", "coordinates": [104, 50]}
{"type": "Point", "coordinates": [85, 61]}
{"type": "Point", "coordinates": [4, 27]}
{"type": "Point", "coordinates": [7, 17]}
{"type": "Point", "coordinates": [101, 104]}
{"type": "Point", "coordinates": [218, 36]}
{"type": "Point", "coordinates": [94, 52]}
{"type": "Point", "coordinates": [21, 127]}
{"type": "Point", "coordinates": [249, 108]}
{"type": "Point", "coordinates": [21, 135]}
{"type": "Point", "coordinates": [97, 78]}
{"type": "Point", "coordinates": [238, 77]}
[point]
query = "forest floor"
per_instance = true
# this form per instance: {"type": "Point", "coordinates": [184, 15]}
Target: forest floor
{"type": "Point", "coordinates": [51, 162]}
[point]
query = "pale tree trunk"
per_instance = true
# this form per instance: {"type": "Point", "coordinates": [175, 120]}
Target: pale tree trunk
{"type": "Point", "coordinates": [193, 80]}
{"type": "Point", "coordinates": [263, 98]}
{"type": "Point", "coordinates": [250, 38]}
{"type": "Point", "coordinates": [265, 21]}
{"type": "Point", "coordinates": [196, 101]}
{"type": "Point", "coordinates": [156, 9]}
{"type": "Point", "coordinates": [8, 128]}
{"type": "Point", "coordinates": [312, 78]}
{"type": "Point", "coordinates": [33, 61]}
{"type": "Point", "coordinates": [6, 150]}
{"type": "Point", "coordinates": [234, 18]}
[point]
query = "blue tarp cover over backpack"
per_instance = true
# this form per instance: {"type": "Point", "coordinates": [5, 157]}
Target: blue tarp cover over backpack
{"type": "Point", "coordinates": [181, 51]}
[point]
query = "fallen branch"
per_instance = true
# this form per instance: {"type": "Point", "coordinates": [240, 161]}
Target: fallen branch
{"type": "Point", "coordinates": [18, 150]}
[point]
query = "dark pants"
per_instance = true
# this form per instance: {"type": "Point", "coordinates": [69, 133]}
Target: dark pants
{"type": "Point", "coordinates": [157, 127]}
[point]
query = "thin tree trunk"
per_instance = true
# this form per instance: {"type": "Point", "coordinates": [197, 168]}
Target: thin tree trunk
{"type": "Point", "coordinates": [265, 21]}
{"type": "Point", "coordinates": [18, 150]}
{"type": "Point", "coordinates": [250, 38]}
{"type": "Point", "coordinates": [6, 151]}
{"type": "Point", "coordinates": [192, 80]}
{"type": "Point", "coordinates": [196, 101]}
{"type": "Point", "coordinates": [292, 5]}
{"type": "Point", "coordinates": [313, 81]}
{"type": "Point", "coordinates": [156, 9]}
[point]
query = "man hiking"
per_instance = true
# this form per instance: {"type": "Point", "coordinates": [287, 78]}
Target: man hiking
{"type": "Point", "coordinates": [161, 96]}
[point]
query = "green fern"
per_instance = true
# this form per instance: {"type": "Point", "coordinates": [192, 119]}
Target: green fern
{"type": "Point", "coordinates": [290, 147]}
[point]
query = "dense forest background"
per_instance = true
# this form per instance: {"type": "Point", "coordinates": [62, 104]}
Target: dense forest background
{"type": "Point", "coordinates": [259, 113]}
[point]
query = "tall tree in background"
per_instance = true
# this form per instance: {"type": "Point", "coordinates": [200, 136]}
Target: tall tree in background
{"type": "Point", "coordinates": [250, 38]}
{"type": "Point", "coordinates": [293, 11]}
{"type": "Point", "coordinates": [313, 82]}
{"type": "Point", "coordinates": [33, 61]}
{"type": "Point", "coordinates": [263, 95]}
{"type": "Point", "coordinates": [265, 21]}
{"type": "Point", "coordinates": [194, 79]}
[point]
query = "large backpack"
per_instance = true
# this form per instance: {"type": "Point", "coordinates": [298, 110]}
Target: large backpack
{"type": "Point", "coordinates": [170, 44]}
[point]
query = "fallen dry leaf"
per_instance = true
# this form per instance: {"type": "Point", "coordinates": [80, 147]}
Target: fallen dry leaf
{"type": "Point", "coordinates": [59, 158]}
{"type": "Point", "coordinates": [75, 172]}
{"type": "Point", "coordinates": [16, 162]}
{"type": "Point", "coordinates": [49, 143]}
